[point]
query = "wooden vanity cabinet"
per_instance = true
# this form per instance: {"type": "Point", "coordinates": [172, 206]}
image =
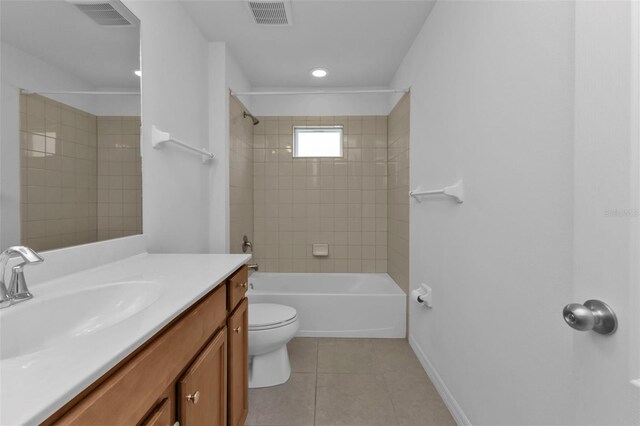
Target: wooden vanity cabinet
{"type": "Point", "coordinates": [238, 329]}
{"type": "Point", "coordinates": [194, 371]}
{"type": "Point", "coordinates": [202, 390]}
{"type": "Point", "coordinates": [161, 414]}
{"type": "Point", "coordinates": [237, 286]}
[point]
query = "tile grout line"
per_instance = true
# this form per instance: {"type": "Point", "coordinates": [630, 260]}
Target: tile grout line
{"type": "Point", "coordinates": [315, 397]}
{"type": "Point", "coordinates": [376, 352]}
{"type": "Point", "coordinates": [395, 412]}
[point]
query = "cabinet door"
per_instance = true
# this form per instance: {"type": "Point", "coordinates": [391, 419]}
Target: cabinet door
{"type": "Point", "coordinates": [238, 365]}
{"type": "Point", "coordinates": [161, 416]}
{"type": "Point", "coordinates": [202, 390]}
{"type": "Point", "coordinates": [237, 287]}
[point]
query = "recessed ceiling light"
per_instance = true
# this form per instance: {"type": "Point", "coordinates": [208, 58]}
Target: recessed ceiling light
{"type": "Point", "coordinates": [319, 72]}
{"type": "Point", "coordinates": [138, 73]}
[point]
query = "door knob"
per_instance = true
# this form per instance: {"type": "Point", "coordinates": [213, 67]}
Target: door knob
{"type": "Point", "coordinates": [593, 315]}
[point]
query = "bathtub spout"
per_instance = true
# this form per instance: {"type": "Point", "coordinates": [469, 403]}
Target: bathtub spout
{"type": "Point", "coordinates": [253, 266]}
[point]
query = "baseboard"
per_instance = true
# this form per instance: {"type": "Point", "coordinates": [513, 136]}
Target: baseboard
{"type": "Point", "coordinates": [372, 333]}
{"type": "Point", "coordinates": [456, 411]}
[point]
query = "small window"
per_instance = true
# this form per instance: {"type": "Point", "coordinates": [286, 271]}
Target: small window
{"type": "Point", "coordinates": [317, 141]}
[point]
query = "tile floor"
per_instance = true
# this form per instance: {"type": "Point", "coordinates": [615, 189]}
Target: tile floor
{"type": "Point", "coordinates": [350, 382]}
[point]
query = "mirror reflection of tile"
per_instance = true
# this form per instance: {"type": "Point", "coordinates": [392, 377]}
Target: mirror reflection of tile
{"type": "Point", "coordinates": [81, 175]}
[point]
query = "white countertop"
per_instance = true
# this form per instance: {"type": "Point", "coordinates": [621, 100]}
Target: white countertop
{"type": "Point", "coordinates": [34, 386]}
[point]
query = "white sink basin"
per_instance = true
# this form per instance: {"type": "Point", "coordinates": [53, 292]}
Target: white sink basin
{"type": "Point", "coordinates": [40, 323]}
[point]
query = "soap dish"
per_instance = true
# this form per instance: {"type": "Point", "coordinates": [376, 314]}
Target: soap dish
{"type": "Point", "coordinates": [320, 250]}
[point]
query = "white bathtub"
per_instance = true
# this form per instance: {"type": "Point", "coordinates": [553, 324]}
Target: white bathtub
{"type": "Point", "coordinates": [336, 305]}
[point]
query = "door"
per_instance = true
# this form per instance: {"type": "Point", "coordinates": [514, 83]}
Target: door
{"type": "Point", "coordinates": [606, 194]}
{"type": "Point", "coordinates": [239, 364]}
{"type": "Point", "coordinates": [202, 389]}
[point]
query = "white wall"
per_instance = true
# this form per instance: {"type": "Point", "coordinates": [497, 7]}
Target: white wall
{"type": "Point", "coordinates": [21, 70]}
{"type": "Point", "coordinates": [219, 144]}
{"type": "Point", "coordinates": [124, 105]}
{"type": "Point", "coordinates": [236, 78]}
{"type": "Point", "coordinates": [314, 105]}
{"type": "Point", "coordinates": [24, 71]}
{"type": "Point", "coordinates": [492, 103]}
{"type": "Point", "coordinates": [176, 187]}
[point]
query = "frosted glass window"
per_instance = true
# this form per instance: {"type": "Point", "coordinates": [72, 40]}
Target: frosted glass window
{"type": "Point", "coordinates": [317, 141]}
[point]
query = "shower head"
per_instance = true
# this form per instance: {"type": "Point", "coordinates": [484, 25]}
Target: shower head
{"type": "Point", "coordinates": [253, 118]}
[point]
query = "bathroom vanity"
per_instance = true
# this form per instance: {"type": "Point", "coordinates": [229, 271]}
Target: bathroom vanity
{"type": "Point", "coordinates": [181, 357]}
{"type": "Point", "coordinates": [187, 372]}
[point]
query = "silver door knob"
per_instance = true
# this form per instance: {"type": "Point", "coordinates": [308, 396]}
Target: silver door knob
{"type": "Point", "coordinates": [593, 315]}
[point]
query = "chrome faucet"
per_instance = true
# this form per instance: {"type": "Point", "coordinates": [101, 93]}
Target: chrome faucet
{"type": "Point", "coordinates": [17, 291]}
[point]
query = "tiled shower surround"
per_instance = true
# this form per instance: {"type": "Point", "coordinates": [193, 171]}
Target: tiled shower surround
{"type": "Point", "coordinates": [339, 201]}
{"type": "Point", "coordinates": [119, 177]}
{"type": "Point", "coordinates": [398, 188]}
{"type": "Point", "coordinates": [60, 163]}
{"type": "Point", "coordinates": [240, 176]}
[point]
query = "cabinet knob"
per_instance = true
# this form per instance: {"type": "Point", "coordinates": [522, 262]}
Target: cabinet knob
{"type": "Point", "coordinates": [238, 329]}
{"type": "Point", "coordinates": [194, 397]}
{"type": "Point", "coordinates": [244, 285]}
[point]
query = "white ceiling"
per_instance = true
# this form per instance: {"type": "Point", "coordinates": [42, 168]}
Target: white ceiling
{"type": "Point", "coordinates": [361, 43]}
{"type": "Point", "coordinates": [59, 34]}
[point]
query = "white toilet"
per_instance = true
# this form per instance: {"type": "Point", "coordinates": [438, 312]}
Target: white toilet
{"type": "Point", "coordinates": [271, 327]}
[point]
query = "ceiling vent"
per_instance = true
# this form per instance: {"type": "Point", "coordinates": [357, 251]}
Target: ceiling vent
{"type": "Point", "coordinates": [271, 12]}
{"type": "Point", "coordinates": [110, 13]}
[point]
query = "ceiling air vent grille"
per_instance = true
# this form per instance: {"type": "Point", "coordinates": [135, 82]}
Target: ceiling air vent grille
{"type": "Point", "coordinates": [107, 13]}
{"type": "Point", "coordinates": [271, 12]}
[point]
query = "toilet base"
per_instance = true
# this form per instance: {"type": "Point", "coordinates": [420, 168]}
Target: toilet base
{"type": "Point", "coordinates": [269, 369]}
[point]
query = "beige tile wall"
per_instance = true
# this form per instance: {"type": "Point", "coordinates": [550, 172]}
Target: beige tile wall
{"type": "Point", "coordinates": [342, 201]}
{"type": "Point", "coordinates": [80, 175]}
{"type": "Point", "coordinates": [398, 188]}
{"type": "Point", "coordinates": [240, 176]}
{"type": "Point", "coordinates": [119, 177]}
{"type": "Point", "coordinates": [58, 174]}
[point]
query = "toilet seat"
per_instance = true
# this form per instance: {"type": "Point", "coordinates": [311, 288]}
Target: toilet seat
{"type": "Point", "coordinates": [266, 316]}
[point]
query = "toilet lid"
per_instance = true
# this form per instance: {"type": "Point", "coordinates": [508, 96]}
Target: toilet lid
{"type": "Point", "coordinates": [266, 315]}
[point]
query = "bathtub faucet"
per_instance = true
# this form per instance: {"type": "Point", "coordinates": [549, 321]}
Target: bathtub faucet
{"type": "Point", "coordinates": [253, 267]}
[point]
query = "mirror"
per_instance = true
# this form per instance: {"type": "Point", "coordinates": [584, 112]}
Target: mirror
{"type": "Point", "coordinates": [70, 166]}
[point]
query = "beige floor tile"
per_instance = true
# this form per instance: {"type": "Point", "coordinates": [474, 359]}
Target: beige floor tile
{"type": "Point", "coordinates": [347, 356]}
{"type": "Point", "coordinates": [292, 403]}
{"type": "Point", "coordinates": [352, 400]}
{"type": "Point", "coordinates": [359, 382]}
{"type": "Point", "coordinates": [416, 401]}
{"type": "Point", "coordinates": [303, 354]}
{"type": "Point", "coordinates": [395, 355]}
